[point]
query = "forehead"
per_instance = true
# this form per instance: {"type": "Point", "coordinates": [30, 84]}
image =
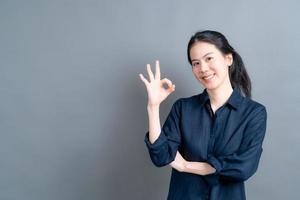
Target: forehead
{"type": "Point", "coordinates": [199, 49]}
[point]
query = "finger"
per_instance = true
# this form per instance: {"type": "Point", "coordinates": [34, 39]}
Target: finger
{"type": "Point", "coordinates": [157, 70]}
{"type": "Point", "coordinates": [150, 74]}
{"type": "Point", "coordinates": [144, 79]}
{"type": "Point", "coordinates": [171, 87]}
{"type": "Point", "coordinates": [167, 81]}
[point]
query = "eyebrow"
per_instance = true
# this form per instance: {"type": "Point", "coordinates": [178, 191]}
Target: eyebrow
{"type": "Point", "coordinates": [203, 56]}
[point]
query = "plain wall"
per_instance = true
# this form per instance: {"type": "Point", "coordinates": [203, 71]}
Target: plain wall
{"type": "Point", "coordinates": [73, 110]}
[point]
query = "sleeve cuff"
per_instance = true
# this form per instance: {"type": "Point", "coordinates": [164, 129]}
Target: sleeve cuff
{"type": "Point", "coordinates": [158, 142]}
{"type": "Point", "coordinates": [215, 163]}
{"type": "Point", "coordinates": [213, 179]}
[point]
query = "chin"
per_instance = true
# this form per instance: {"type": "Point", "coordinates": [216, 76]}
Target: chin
{"type": "Point", "coordinates": [212, 85]}
{"type": "Point", "coordinates": [209, 86]}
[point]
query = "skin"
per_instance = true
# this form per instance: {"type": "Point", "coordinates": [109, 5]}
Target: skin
{"type": "Point", "coordinates": [206, 60]}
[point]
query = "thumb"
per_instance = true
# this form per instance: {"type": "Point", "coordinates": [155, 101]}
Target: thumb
{"type": "Point", "coordinates": [172, 88]}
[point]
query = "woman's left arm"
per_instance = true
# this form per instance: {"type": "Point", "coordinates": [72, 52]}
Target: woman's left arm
{"type": "Point", "coordinates": [200, 168]}
{"type": "Point", "coordinates": [240, 165]}
{"type": "Point", "coordinates": [243, 163]}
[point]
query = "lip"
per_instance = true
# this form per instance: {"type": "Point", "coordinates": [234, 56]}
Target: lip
{"type": "Point", "coordinates": [210, 75]}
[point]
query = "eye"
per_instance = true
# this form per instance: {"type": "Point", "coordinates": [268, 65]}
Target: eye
{"type": "Point", "coordinates": [209, 58]}
{"type": "Point", "coordinates": [195, 64]}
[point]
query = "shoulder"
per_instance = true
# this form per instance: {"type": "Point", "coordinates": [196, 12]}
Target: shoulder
{"type": "Point", "coordinates": [254, 108]}
{"type": "Point", "coordinates": [186, 104]}
{"type": "Point", "coordinates": [254, 104]}
{"type": "Point", "coordinates": [187, 101]}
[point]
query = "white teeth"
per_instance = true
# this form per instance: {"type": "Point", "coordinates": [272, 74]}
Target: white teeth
{"type": "Point", "coordinates": [208, 77]}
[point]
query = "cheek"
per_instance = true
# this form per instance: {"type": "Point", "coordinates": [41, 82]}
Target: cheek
{"type": "Point", "coordinates": [195, 70]}
{"type": "Point", "coordinates": [219, 67]}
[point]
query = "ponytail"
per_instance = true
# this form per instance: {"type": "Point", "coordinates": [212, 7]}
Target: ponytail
{"type": "Point", "coordinates": [238, 75]}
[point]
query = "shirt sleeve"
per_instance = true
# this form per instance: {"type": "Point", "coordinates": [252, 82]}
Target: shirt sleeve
{"type": "Point", "coordinates": [242, 164]}
{"type": "Point", "coordinates": [164, 148]}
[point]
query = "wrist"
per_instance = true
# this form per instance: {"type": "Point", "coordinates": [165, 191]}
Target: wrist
{"type": "Point", "coordinates": [152, 107]}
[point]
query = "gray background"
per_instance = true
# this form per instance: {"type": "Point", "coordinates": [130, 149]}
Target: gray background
{"type": "Point", "coordinates": [73, 110]}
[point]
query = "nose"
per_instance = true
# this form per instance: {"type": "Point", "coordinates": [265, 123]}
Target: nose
{"type": "Point", "coordinates": [203, 67]}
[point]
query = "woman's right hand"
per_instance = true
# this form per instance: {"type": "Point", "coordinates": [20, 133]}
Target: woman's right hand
{"type": "Point", "coordinates": [155, 89]}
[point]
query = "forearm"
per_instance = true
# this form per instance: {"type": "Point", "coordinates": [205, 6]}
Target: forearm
{"type": "Point", "coordinates": [200, 168]}
{"type": "Point", "coordinates": [154, 123]}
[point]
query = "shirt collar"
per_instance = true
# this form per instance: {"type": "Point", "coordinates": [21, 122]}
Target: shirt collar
{"type": "Point", "coordinates": [234, 99]}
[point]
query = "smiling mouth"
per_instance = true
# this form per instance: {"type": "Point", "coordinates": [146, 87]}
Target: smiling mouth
{"type": "Point", "coordinates": [208, 77]}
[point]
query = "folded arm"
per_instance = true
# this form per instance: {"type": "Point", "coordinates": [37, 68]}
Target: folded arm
{"type": "Point", "coordinates": [235, 167]}
{"type": "Point", "coordinates": [200, 168]}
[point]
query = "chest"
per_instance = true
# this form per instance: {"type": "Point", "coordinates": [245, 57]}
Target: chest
{"type": "Point", "coordinates": [204, 132]}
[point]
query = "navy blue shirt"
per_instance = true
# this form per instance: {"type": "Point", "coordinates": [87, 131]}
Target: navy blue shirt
{"type": "Point", "coordinates": [230, 140]}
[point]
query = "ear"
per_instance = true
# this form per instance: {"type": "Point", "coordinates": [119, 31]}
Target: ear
{"type": "Point", "coordinates": [229, 59]}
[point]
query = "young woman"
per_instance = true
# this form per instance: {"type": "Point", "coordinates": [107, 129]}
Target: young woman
{"type": "Point", "coordinates": [212, 140]}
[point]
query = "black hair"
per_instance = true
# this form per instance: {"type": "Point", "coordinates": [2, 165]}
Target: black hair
{"type": "Point", "coordinates": [238, 75]}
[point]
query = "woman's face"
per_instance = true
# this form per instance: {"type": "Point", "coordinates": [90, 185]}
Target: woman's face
{"type": "Point", "coordinates": [209, 65]}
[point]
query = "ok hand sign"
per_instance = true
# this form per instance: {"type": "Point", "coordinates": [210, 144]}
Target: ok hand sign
{"type": "Point", "coordinates": [156, 92]}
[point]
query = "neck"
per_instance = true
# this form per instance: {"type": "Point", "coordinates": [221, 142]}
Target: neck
{"type": "Point", "coordinates": [219, 95]}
